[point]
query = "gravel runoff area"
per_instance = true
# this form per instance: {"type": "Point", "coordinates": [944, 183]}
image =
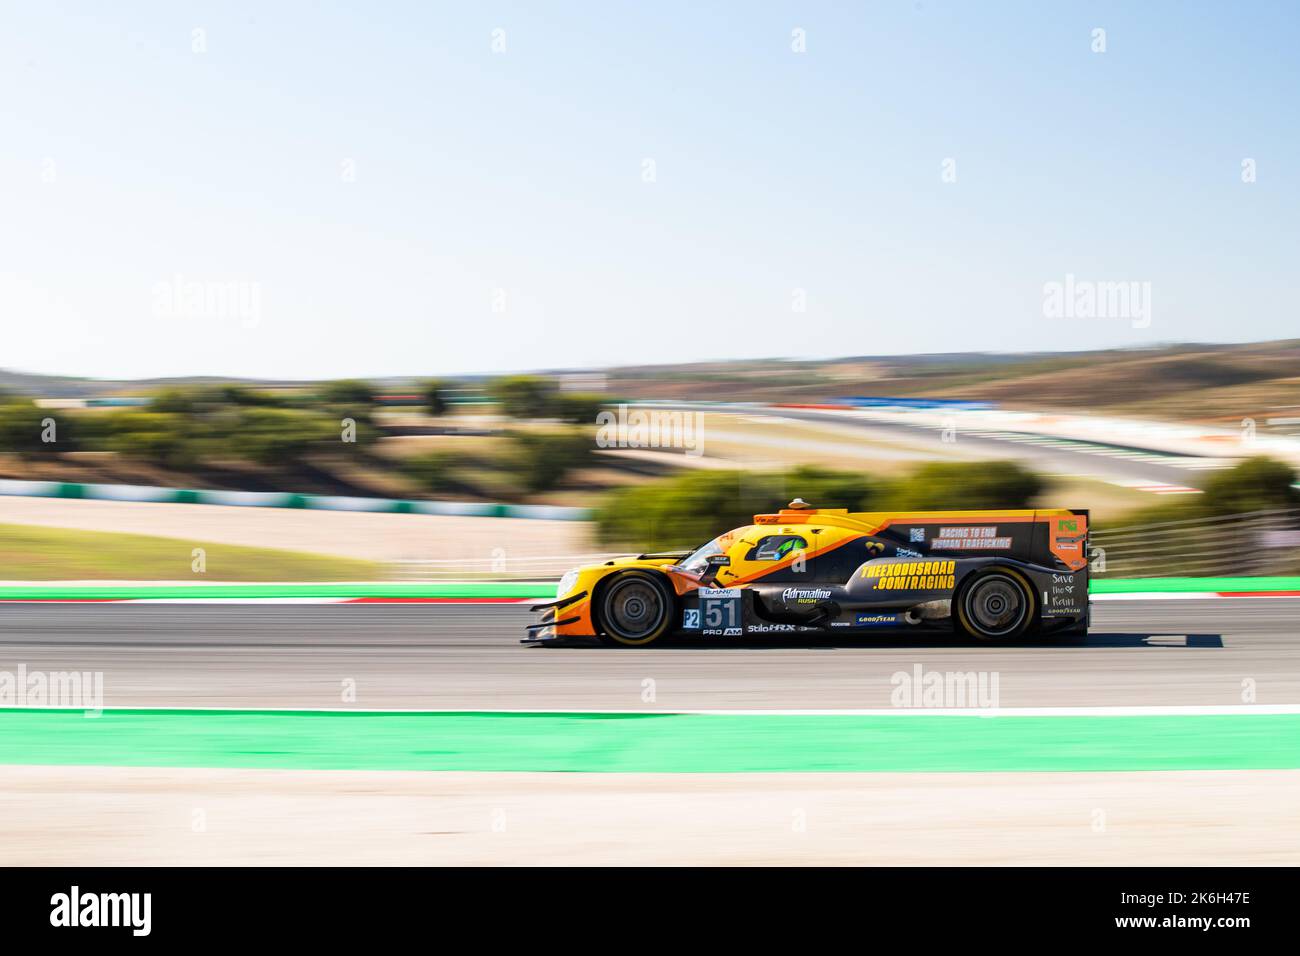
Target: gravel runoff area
{"type": "Point", "coordinates": [94, 816]}
{"type": "Point", "coordinates": [374, 537]}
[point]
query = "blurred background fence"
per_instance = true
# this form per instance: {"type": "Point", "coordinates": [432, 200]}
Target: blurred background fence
{"type": "Point", "coordinates": [1258, 543]}
{"type": "Point", "coordinates": [1254, 543]}
{"type": "Point", "coordinates": [545, 568]}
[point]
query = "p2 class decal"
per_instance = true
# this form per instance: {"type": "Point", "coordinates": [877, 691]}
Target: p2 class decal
{"type": "Point", "coordinates": [691, 619]}
{"type": "Point", "coordinates": [720, 611]}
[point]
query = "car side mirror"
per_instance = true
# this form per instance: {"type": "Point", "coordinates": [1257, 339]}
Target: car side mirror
{"type": "Point", "coordinates": [713, 564]}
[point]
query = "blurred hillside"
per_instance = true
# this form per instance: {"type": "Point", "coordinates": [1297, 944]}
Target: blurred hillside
{"type": "Point", "coordinates": [1202, 383]}
{"type": "Point", "coordinates": [1218, 384]}
{"type": "Point", "coordinates": [533, 439]}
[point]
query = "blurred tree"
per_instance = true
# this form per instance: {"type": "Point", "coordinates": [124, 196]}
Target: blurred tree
{"type": "Point", "coordinates": [539, 460]}
{"type": "Point", "coordinates": [176, 401]}
{"type": "Point", "coordinates": [348, 399]}
{"type": "Point", "coordinates": [162, 438]}
{"type": "Point", "coordinates": [435, 392]}
{"type": "Point", "coordinates": [1256, 484]}
{"type": "Point", "coordinates": [825, 488]}
{"type": "Point", "coordinates": [347, 392]}
{"type": "Point", "coordinates": [432, 471]}
{"type": "Point", "coordinates": [522, 396]}
{"type": "Point", "coordinates": [23, 425]}
{"type": "Point", "coordinates": [242, 395]}
{"type": "Point", "coordinates": [686, 510]}
{"type": "Point", "coordinates": [959, 486]}
{"type": "Point", "coordinates": [280, 436]}
{"type": "Point", "coordinates": [579, 408]}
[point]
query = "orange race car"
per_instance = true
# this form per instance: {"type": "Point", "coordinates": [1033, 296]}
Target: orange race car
{"type": "Point", "coordinates": [994, 575]}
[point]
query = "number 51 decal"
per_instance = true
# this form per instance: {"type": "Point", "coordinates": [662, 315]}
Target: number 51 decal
{"type": "Point", "coordinates": [720, 608]}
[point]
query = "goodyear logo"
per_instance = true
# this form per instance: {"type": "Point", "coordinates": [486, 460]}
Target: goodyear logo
{"type": "Point", "coordinates": [912, 575]}
{"type": "Point", "coordinates": [876, 620]}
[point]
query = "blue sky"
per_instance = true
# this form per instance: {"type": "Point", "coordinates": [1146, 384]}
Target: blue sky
{"type": "Point", "coordinates": [392, 196]}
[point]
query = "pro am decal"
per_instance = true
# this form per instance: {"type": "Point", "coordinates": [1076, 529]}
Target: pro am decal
{"type": "Point", "coordinates": [983, 537]}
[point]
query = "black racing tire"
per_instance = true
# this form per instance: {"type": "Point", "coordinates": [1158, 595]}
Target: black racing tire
{"type": "Point", "coordinates": [634, 608]}
{"type": "Point", "coordinates": [995, 604]}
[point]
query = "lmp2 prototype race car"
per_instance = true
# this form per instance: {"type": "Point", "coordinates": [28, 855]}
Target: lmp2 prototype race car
{"type": "Point", "coordinates": [992, 575]}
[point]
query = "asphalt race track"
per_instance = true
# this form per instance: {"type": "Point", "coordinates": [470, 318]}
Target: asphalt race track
{"type": "Point", "coordinates": [467, 657]}
{"type": "Point", "coordinates": [1039, 452]}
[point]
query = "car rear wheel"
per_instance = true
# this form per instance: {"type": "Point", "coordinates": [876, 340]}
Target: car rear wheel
{"type": "Point", "coordinates": [635, 608]}
{"type": "Point", "coordinates": [996, 605]}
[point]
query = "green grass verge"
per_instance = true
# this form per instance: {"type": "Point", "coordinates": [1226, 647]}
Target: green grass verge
{"type": "Point", "coordinates": [30, 553]}
{"type": "Point", "coordinates": [639, 743]}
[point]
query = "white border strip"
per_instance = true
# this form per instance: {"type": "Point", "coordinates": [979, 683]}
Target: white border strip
{"type": "Point", "coordinates": [1158, 710]}
{"type": "Point", "coordinates": [1158, 596]}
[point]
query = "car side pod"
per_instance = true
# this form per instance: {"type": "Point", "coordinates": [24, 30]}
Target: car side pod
{"type": "Point", "coordinates": [543, 632]}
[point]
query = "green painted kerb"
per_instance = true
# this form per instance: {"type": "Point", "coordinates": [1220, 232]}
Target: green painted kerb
{"type": "Point", "coordinates": [640, 743]}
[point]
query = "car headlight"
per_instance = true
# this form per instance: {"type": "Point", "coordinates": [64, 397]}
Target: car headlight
{"type": "Point", "coordinates": [566, 583]}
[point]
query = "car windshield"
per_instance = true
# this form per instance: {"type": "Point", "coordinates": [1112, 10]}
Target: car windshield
{"type": "Point", "coordinates": [698, 561]}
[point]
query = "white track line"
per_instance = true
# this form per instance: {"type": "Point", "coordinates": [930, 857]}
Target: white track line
{"type": "Point", "coordinates": [509, 602]}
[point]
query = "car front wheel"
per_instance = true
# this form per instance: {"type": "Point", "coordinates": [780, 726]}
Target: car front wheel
{"type": "Point", "coordinates": [635, 608]}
